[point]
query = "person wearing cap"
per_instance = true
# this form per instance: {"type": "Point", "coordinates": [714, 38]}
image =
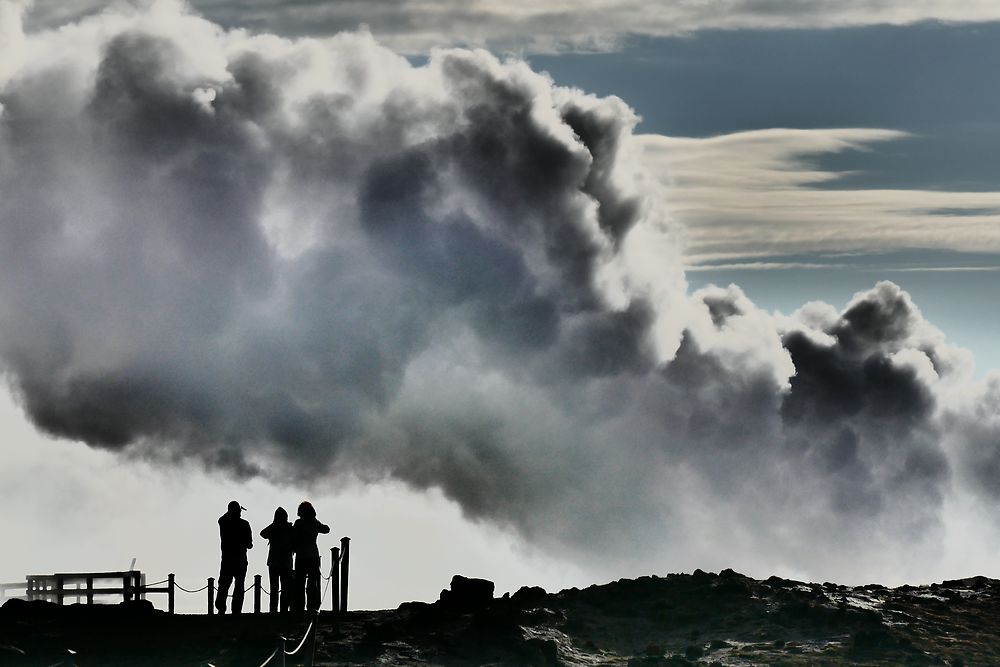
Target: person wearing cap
{"type": "Point", "coordinates": [305, 530]}
{"type": "Point", "coordinates": [235, 538]}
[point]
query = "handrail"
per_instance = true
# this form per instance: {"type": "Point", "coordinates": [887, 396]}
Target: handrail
{"type": "Point", "coordinates": [133, 586]}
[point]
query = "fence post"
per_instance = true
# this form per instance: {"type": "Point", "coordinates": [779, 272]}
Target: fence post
{"type": "Point", "coordinates": [211, 595]}
{"type": "Point", "coordinates": [335, 578]}
{"type": "Point", "coordinates": [170, 592]}
{"type": "Point", "coordinates": [90, 590]}
{"type": "Point", "coordinates": [256, 593]}
{"type": "Point", "coordinates": [345, 559]}
{"type": "Point", "coordinates": [59, 589]}
{"type": "Point", "coordinates": [281, 651]}
{"type": "Point", "coordinates": [126, 593]}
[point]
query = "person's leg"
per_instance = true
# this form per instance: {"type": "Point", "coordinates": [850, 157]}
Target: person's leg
{"type": "Point", "coordinates": [225, 578]}
{"type": "Point", "coordinates": [287, 588]}
{"type": "Point", "coordinates": [274, 581]}
{"type": "Point", "coordinates": [239, 583]}
{"type": "Point", "coordinates": [313, 587]}
{"type": "Point", "coordinates": [299, 587]}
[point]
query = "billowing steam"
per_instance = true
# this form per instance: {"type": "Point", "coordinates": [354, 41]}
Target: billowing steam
{"type": "Point", "coordinates": [309, 259]}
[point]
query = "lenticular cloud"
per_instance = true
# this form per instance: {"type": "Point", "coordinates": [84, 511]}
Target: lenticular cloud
{"type": "Point", "coordinates": [310, 259]}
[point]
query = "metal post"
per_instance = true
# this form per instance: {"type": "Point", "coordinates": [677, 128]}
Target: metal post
{"type": "Point", "coordinates": [281, 651]}
{"type": "Point", "coordinates": [126, 593]}
{"type": "Point", "coordinates": [170, 593]}
{"type": "Point", "coordinates": [90, 590]}
{"type": "Point", "coordinates": [59, 589]}
{"type": "Point", "coordinates": [335, 578]}
{"type": "Point", "coordinates": [211, 595]}
{"type": "Point", "coordinates": [256, 593]}
{"type": "Point", "coordinates": [345, 558]}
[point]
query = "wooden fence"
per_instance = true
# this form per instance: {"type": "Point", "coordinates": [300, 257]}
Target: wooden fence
{"type": "Point", "coordinates": [131, 585]}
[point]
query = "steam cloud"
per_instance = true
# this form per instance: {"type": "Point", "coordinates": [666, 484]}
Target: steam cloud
{"type": "Point", "coordinates": [305, 259]}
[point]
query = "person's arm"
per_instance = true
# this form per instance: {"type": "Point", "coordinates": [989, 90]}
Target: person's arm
{"type": "Point", "coordinates": [322, 527]}
{"type": "Point", "coordinates": [266, 533]}
{"type": "Point", "coordinates": [249, 533]}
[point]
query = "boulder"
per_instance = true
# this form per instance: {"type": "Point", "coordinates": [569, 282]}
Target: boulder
{"type": "Point", "coordinates": [467, 594]}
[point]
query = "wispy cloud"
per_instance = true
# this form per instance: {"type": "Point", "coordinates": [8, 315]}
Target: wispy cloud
{"type": "Point", "coordinates": [763, 266]}
{"type": "Point", "coordinates": [756, 194]}
{"type": "Point", "coordinates": [417, 25]}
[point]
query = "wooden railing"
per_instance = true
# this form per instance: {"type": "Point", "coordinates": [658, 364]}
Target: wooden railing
{"type": "Point", "coordinates": [131, 585]}
{"type": "Point", "coordinates": [84, 586]}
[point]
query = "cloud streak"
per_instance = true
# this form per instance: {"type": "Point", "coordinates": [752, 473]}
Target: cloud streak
{"type": "Point", "coordinates": [757, 194]}
{"type": "Point", "coordinates": [416, 26]}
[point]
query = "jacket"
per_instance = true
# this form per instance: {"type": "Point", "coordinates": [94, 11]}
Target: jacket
{"type": "Point", "coordinates": [280, 544]}
{"type": "Point", "coordinates": [306, 531]}
{"type": "Point", "coordinates": [235, 538]}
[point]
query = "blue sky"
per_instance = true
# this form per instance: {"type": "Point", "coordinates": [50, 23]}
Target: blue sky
{"type": "Point", "coordinates": [931, 80]}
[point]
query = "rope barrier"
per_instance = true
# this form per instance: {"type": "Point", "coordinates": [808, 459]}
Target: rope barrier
{"type": "Point", "coordinates": [322, 598]}
{"type": "Point", "coordinates": [304, 638]}
{"type": "Point", "coordinates": [281, 645]}
{"type": "Point", "coordinates": [156, 584]}
{"type": "Point", "coordinates": [277, 648]}
{"type": "Point", "coordinates": [176, 585]}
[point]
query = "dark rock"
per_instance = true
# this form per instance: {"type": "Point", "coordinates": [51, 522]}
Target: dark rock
{"type": "Point", "coordinates": [693, 652]}
{"type": "Point", "coordinates": [528, 596]}
{"type": "Point", "coordinates": [416, 606]}
{"type": "Point", "coordinates": [467, 594]}
{"type": "Point", "coordinates": [542, 652]}
{"type": "Point", "coordinates": [876, 639]}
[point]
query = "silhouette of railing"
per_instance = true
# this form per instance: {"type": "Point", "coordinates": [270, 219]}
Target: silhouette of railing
{"type": "Point", "coordinates": [85, 586]}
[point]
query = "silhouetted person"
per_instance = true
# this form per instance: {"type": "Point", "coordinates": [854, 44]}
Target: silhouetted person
{"type": "Point", "coordinates": [236, 538]}
{"type": "Point", "coordinates": [307, 575]}
{"type": "Point", "coordinates": [279, 559]}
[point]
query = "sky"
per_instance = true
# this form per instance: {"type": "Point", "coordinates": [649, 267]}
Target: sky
{"type": "Point", "coordinates": [546, 293]}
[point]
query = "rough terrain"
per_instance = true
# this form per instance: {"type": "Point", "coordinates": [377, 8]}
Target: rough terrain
{"type": "Point", "coordinates": [681, 619]}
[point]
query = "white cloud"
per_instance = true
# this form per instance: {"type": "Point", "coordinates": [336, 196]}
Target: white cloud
{"type": "Point", "coordinates": [417, 25]}
{"type": "Point", "coordinates": [484, 302]}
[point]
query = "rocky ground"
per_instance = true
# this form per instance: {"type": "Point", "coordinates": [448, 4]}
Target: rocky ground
{"type": "Point", "coordinates": [681, 619]}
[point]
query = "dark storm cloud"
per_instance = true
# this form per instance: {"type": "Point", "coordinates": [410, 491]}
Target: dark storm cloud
{"type": "Point", "coordinates": [305, 259]}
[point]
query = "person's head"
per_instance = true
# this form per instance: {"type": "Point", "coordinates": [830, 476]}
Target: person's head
{"type": "Point", "coordinates": [306, 510]}
{"type": "Point", "coordinates": [280, 515]}
{"type": "Point", "coordinates": [234, 507]}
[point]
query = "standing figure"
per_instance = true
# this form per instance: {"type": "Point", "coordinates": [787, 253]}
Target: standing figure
{"type": "Point", "coordinates": [279, 560]}
{"type": "Point", "coordinates": [236, 537]}
{"type": "Point", "coordinates": [307, 575]}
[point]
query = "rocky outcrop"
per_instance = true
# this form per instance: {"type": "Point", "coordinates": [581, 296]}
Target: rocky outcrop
{"type": "Point", "coordinates": [702, 619]}
{"type": "Point", "coordinates": [467, 594]}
